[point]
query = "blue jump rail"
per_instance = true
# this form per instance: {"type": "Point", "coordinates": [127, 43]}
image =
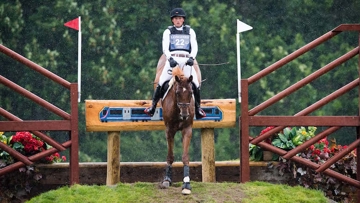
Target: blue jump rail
{"type": "Point", "coordinates": [136, 114]}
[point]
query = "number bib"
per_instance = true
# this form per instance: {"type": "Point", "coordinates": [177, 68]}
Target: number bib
{"type": "Point", "coordinates": [180, 42]}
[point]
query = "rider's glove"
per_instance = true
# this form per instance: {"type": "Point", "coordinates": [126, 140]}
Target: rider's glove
{"type": "Point", "coordinates": [172, 62]}
{"type": "Point", "coordinates": [190, 61]}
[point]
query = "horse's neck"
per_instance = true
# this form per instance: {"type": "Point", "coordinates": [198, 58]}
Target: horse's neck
{"type": "Point", "coordinates": [169, 103]}
{"type": "Point", "coordinates": [172, 94]}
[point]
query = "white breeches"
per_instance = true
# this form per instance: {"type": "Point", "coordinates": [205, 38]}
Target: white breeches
{"type": "Point", "coordinates": [188, 70]}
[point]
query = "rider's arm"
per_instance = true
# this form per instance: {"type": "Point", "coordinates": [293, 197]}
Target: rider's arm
{"type": "Point", "coordinates": [166, 43]}
{"type": "Point", "coordinates": [194, 45]}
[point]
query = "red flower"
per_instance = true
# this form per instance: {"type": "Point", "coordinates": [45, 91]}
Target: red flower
{"type": "Point", "coordinates": [268, 140]}
{"type": "Point", "coordinates": [312, 147]}
{"type": "Point", "coordinates": [326, 150]}
{"type": "Point", "coordinates": [33, 145]}
{"type": "Point", "coordinates": [266, 130]}
{"type": "Point", "coordinates": [316, 152]}
{"type": "Point", "coordinates": [49, 158]}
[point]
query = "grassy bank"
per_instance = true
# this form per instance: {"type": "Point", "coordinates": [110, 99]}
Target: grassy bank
{"type": "Point", "coordinates": [201, 192]}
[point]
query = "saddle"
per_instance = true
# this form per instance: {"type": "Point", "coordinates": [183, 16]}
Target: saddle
{"type": "Point", "coordinates": [161, 64]}
{"type": "Point", "coordinates": [167, 86]}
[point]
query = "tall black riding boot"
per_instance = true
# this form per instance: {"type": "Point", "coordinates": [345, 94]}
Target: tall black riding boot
{"type": "Point", "coordinates": [156, 97]}
{"type": "Point", "coordinates": [199, 113]}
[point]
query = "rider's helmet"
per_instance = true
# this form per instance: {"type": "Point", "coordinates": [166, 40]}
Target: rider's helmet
{"type": "Point", "coordinates": [177, 12]}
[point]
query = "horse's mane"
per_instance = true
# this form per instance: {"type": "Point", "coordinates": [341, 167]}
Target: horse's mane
{"type": "Point", "coordinates": [177, 72]}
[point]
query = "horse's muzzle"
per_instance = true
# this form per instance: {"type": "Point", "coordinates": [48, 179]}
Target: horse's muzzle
{"type": "Point", "coordinates": [184, 117]}
{"type": "Point", "coordinates": [184, 114]}
{"type": "Point", "coordinates": [184, 111]}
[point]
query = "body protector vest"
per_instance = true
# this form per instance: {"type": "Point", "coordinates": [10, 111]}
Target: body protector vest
{"type": "Point", "coordinates": [180, 39]}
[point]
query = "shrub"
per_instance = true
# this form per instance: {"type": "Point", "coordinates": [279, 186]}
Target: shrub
{"type": "Point", "coordinates": [17, 184]}
{"type": "Point", "coordinates": [318, 153]}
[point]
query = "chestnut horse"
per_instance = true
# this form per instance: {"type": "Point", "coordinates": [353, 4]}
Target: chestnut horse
{"type": "Point", "coordinates": [178, 114]}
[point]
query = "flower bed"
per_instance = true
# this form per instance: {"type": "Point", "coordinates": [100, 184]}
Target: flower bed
{"type": "Point", "coordinates": [15, 185]}
{"type": "Point", "coordinates": [318, 153]}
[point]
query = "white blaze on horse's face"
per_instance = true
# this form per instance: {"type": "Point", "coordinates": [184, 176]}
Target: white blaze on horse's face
{"type": "Point", "coordinates": [184, 89]}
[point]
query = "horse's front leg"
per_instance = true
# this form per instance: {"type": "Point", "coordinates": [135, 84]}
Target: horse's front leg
{"type": "Point", "coordinates": [170, 134]}
{"type": "Point", "coordinates": [186, 138]}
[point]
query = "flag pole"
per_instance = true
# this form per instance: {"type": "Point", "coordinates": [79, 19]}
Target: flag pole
{"type": "Point", "coordinates": [241, 27]}
{"type": "Point", "coordinates": [79, 61]}
{"type": "Point", "coordinates": [238, 64]}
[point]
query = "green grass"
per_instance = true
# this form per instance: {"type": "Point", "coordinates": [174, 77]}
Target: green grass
{"type": "Point", "coordinates": [201, 192]}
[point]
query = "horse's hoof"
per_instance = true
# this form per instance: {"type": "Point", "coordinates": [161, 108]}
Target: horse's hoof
{"type": "Point", "coordinates": [166, 184]}
{"type": "Point", "coordinates": [186, 191]}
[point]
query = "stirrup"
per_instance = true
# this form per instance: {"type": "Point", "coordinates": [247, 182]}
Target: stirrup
{"type": "Point", "coordinates": [200, 114]}
{"type": "Point", "coordinates": [150, 111]}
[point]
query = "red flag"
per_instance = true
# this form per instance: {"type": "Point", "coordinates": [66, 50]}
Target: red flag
{"type": "Point", "coordinates": [74, 24]}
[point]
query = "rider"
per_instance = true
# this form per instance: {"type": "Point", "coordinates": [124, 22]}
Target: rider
{"type": "Point", "coordinates": [180, 48]}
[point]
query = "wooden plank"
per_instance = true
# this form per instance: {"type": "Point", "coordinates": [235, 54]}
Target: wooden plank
{"type": "Point", "coordinates": [304, 121]}
{"type": "Point", "coordinates": [94, 107]}
{"type": "Point", "coordinates": [33, 125]}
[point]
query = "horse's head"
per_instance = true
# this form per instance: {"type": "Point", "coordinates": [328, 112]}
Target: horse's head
{"type": "Point", "coordinates": [183, 92]}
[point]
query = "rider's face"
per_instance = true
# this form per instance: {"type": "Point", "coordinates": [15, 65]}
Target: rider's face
{"type": "Point", "coordinates": [178, 21]}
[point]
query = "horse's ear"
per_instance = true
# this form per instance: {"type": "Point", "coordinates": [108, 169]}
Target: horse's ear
{"type": "Point", "coordinates": [177, 78]}
{"type": "Point", "coordinates": [190, 78]}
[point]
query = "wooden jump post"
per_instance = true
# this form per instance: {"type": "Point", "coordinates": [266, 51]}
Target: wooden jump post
{"type": "Point", "coordinates": [113, 116]}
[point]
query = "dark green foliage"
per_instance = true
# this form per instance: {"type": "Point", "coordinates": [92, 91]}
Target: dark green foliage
{"type": "Point", "coordinates": [121, 44]}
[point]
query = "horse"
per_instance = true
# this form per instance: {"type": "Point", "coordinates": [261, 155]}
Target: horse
{"type": "Point", "coordinates": [178, 114]}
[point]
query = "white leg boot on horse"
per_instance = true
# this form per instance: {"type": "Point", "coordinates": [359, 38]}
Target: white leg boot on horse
{"type": "Point", "coordinates": [186, 187]}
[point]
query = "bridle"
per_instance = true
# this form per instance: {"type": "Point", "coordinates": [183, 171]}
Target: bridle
{"type": "Point", "coordinates": [182, 105]}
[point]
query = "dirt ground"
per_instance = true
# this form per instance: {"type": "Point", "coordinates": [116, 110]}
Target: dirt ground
{"type": "Point", "coordinates": [203, 194]}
